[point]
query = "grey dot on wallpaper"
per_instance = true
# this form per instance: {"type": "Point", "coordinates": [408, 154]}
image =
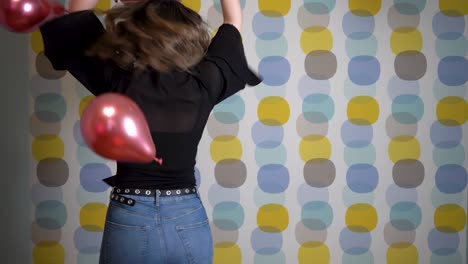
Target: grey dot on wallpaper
{"type": "Point", "coordinates": [398, 20]}
{"type": "Point", "coordinates": [408, 173]}
{"type": "Point", "coordinates": [45, 70]}
{"type": "Point", "coordinates": [305, 128]}
{"type": "Point", "coordinates": [216, 128]}
{"type": "Point", "coordinates": [319, 173]}
{"type": "Point", "coordinates": [320, 65]}
{"type": "Point", "coordinates": [395, 128]}
{"type": "Point", "coordinates": [307, 19]}
{"type": "Point", "coordinates": [37, 127]}
{"type": "Point", "coordinates": [38, 233]}
{"type": "Point", "coordinates": [393, 235]}
{"type": "Point", "coordinates": [214, 18]}
{"type": "Point", "coordinates": [230, 173]}
{"type": "Point", "coordinates": [305, 234]}
{"type": "Point", "coordinates": [52, 172]}
{"type": "Point", "coordinates": [410, 65]}
{"type": "Point", "coordinates": [220, 235]}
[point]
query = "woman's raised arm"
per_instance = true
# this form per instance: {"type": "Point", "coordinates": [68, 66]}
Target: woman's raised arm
{"type": "Point", "coordinates": [232, 13]}
{"type": "Point", "coordinates": [80, 5]}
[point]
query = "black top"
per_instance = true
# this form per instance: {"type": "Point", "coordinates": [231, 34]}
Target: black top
{"type": "Point", "coordinates": [176, 104]}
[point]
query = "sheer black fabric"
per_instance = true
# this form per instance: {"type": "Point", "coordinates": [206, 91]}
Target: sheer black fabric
{"type": "Point", "coordinates": [176, 104]}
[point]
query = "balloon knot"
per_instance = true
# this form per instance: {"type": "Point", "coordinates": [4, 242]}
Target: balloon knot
{"type": "Point", "coordinates": [159, 160]}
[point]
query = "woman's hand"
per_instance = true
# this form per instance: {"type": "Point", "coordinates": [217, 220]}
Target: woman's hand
{"type": "Point", "coordinates": [232, 13]}
{"type": "Point", "coordinates": [79, 5]}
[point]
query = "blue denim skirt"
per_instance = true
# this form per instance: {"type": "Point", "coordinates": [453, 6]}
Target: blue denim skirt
{"type": "Point", "coordinates": [158, 229]}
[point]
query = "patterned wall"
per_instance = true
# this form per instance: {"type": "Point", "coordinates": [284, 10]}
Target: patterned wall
{"type": "Point", "coordinates": [352, 150]}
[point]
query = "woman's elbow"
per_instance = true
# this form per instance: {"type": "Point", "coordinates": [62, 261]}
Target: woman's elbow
{"type": "Point", "coordinates": [237, 23]}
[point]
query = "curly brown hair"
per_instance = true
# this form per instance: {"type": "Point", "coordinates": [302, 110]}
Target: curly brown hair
{"type": "Point", "coordinates": [160, 34]}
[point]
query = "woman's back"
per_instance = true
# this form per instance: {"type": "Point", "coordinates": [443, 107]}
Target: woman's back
{"type": "Point", "coordinates": [176, 103]}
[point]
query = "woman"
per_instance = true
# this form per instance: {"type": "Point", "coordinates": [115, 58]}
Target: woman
{"type": "Point", "coordinates": [159, 53]}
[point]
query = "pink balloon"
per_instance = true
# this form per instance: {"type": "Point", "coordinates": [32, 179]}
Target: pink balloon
{"type": "Point", "coordinates": [26, 15]}
{"type": "Point", "coordinates": [114, 127]}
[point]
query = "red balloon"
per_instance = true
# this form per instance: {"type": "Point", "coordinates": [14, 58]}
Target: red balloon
{"type": "Point", "coordinates": [114, 127]}
{"type": "Point", "coordinates": [26, 15]}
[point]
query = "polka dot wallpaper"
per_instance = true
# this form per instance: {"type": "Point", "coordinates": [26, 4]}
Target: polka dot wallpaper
{"type": "Point", "coordinates": [352, 150]}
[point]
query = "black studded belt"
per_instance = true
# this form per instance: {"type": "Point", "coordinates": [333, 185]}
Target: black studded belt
{"type": "Point", "coordinates": [117, 193]}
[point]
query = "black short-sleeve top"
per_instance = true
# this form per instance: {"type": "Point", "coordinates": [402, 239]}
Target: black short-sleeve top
{"type": "Point", "coordinates": [176, 104]}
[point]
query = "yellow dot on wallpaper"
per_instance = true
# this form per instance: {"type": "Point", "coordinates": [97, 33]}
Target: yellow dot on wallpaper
{"type": "Point", "coordinates": [450, 218]}
{"type": "Point", "coordinates": [402, 253]}
{"type": "Point", "coordinates": [361, 217]}
{"type": "Point", "coordinates": [48, 252]}
{"type": "Point", "coordinates": [275, 8]}
{"type": "Point", "coordinates": [272, 218]}
{"type": "Point", "coordinates": [84, 103]}
{"type": "Point", "coordinates": [363, 110]}
{"type": "Point", "coordinates": [195, 5]}
{"type": "Point", "coordinates": [47, 146]}
{"type": "Point", "coordinates": [365, 7]}
{"type": "Point", "coordinates": [316, 38]}
{"type": "Point", "coordinates": [225, 147]}
{"type": "Point", "coordinates": [406, 39]}
{"type": "Point", "coordinates": [37, 45]}
{"type": "Point", "coordinates": [313, 252]}
{"type": "Point", "coordinates": [103, 5]}
{"type": "Point", "coordinates": [452, 111]}
{"type": "Point", "coordinates": [404, 148]}
{"type": "Point", "coordinates": [92, 217]}
{"type": "Point", "coordinates": [314, 147]}
{"type": "Point", "coordinates": [453, 7]}
{"type": "Point", "coordinates": [213, 33]}
{"type": "Point", "coordinates": [227, 253]}
{"type": "Point", "coordinates": [273, 111]}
